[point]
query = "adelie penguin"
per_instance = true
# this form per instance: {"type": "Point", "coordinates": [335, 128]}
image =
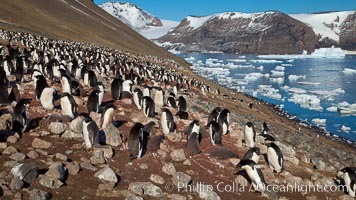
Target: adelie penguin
{"type": "Point", "coordinates": [194, 126]}
{"type": "Point", "coordinates": [213, 116]}
{"type": "Point", "coordinates": [215, 131]}
{"type": "Point", "coordinates": [254, 173]}
{"type": "Point", "coordinates": [48, 97]}
{"type": "Point", "coordinates": [68, 105]}
{"type": "Point", "coordinates": [253, 154]}
{"type": "Point", "coordinates": [116, 89]}
{"type": "Point", "coordinates": [148, 107]}
{"type": "Point", "coordinates": [93, 101]}
{"type": "Point", "coordinates": [249, 135]}
{"type": "Point", "coordinates": [224, 120]}
{"type": "Point", "coordinates": [167, 121]}
{"type": "Point", "coordinates": [182, 104]}
{"type": "Point", "coordinates": [171, 102]}
{"type": "Point", "coordinates": [126, 89]}
{"type": "Point", "coordinates": [107, 115]}
{"type": "Point", "coordinates": [193, 145]}
{"type": "Point", "coordinates": [348, 176]}
{"type": "Point", "coordinates": [41, 84]}
{"type": "Point", "coordinates": [138, 98]}
{"type": "Point", "coordinates": [136, 141]}
{"type": "Point", "coordinates": [101, 93]}
{"type": "Point", "coordinates": [182, 115]}
{"type": "Point", "coordinates": [265, 133]}
{"type": "Point", "coordinates": [159, 98]}
{"type": "Point", "coordinates": [90, 132]}
{"type": "Point", "coordinates": [20, 119]}
{"type": "Point", "coordinates": [275, 157]}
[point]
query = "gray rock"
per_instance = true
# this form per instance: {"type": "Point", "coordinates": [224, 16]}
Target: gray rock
{"type": "Point", "coordinates": [42, 152]}
{"type": "Point", "coordinates": [305, 158]}
{"type": "Point", "coordinates": [18, 156]}
{"type": "Point", "coordinates": [241, 181]}
{"type": "Point", "coordinates": [107, 186]}
{"type": "Point", "coordinates": [16, 183]}
{"type": "Point", "coordinates": [76, 125]}
{"type": "Point", "coordinates": [176, 197]}
{"type": "Point", "coordinates": [44, 133]}
{"type": "Point", "coordinates": [169, 169]}
{"type": "Point", "coordinates": [27, 172]}
{"type": "Point", "coordinates": [10, 150]}
{"type": "Point", "coordinates": [271, 195]}
{"type": "Point", "coordinates": [147, 188]}
{"type": "Point", "coordinates": [292, 180]}
{"type": "Point", "coordinates": [18, 196]}
{"type": "Point", "coordinates": [32, 154]}
{"type": "Point", "coordinates": [180, 179]}
{"type": "Point", "coordinates": [346, 197]}
{"type": "Point", "coordinates": [143, 166]}
{"type": "Point", "coordinates": [50, 182]}
{"type": "Point", "coordinates": [287, 150]}
{"type": "Point", "coordinates": [318, 163]}
{"type": "Point", "coordinates": [112, 136]}
{"type": "Point", "coordinates": [126, 193]}
{"type": "Point", "coordinates": [73, 168]}
{"type": "Point", "coordinates": [108, 151]}
{"type": "Point", "coordinates": [41, 144]}
{"type": "Point", "coordinates": [174, 137]}
{"type": "Point", "coordinates": [157, 179]}
{"type": "Point", "coordinates": [88, 166]}
{"type": "Point", "coordinates": [71, 135]}
{"type": "Point", "coordinates": [61, 157]}
{"type": "Point", "coordinates": [134, 198]}
{"type": "Point", "coordinates": [178, 155]}
{"type": "Point", "coordinates": [206, 193]}
{"type": "Point", "coordinates": [37, 194]}
{"type": "Point", "coordinates": [187, 162]}
{"type": "Point", "coordinates": [57, 171]}
{"type": "Point", "coordinates": [98, 157]}
{"type": "Point", "coordinates": [106, 174]}
{"type": "Point", "coordinates": [10, 164]}
{"type": "Point", "coordinates": [5, 121]}
{"type": "Point", "coordinates": [3, 145]}
{"type": "Point", "coordinates": [57, 128]}
{"type": "Point", "coordinates": [12, 139]}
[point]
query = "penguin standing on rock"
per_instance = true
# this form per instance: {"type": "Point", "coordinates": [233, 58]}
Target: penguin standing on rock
{"type": "Point", "coordinates": [126, 89]}
{"type": "Point", "coordinates": [167, 121]}
{"type": "Point", "coordinates": [68, 105]}
{"type": "Point", "coordinates": [107, 115]}
{"type": "Point", "coordinates": [215, 133]}
{"type": "Point", "coordinates": [182, 104]}
{"type": "Point", "coordinates": [171, 102]}
{"type": "Point", "coordinates": [224, 120]}
{"type": "Point", "coordinates": [213, 116]}
{"type": "Point", "coordinates": [90, 132]}
{"type": "Point", "coordinates": [249, 135]}
{"type": "Point", "coordinates": [348, 176]}
{"type": "Point", "coordinates": [93, 101]}
{"type": "Point", "coordinates": [182, 115]}
{"type": "Point", "coordinates": [254, 173]}
{"type": "Point", "coordinates": [101, 93]}
{"type": "Point", "coordinates": [116, 89]}
{"type": "Point", "coordinates": [275, 157]}
{"type": "Point", "coordinates": [193, 127]}
{"type": "Point", "coordinates": [253, 154]}
{"type": "Point", "coordinates": [48, 97]}
{"type": "Point", "coordinates": [4, 94]}
{"type": "Point", "coordinates": [138, 98]}
{"type": "Point", "coordinates": [41, 84]}
{"type": "Point", "coordinates": [193, 143]}
{"type": "Point", "coordinates": [265, 133]}
{"type": "Point", "coordinates": [20, 119]}
{"type": "Point", "coordinates": [148, 107]}
{"type": "Point", "coordinates": [136, 141]}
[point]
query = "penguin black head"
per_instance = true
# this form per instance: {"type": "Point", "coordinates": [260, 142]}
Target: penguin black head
{"type": "Point", "coordinates": [256, 150]}
{"type": "Point", "coordinates": [86, 116]}
{"type": "Point", "coordinates": [196, 122]}
{"type": "Point", "coordinates": [249, 124]}
{"type": "Point", "coordinates": [23, 102]}
{"type": "Point", "coordinates": [245, 162]}
{"type": "Point", "coordinates": [265, 127]}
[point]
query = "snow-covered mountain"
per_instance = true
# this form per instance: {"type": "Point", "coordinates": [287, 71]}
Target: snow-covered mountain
{"type": "Point", "coordinates": [326, 24]}
{"type": "Point", "coordinates": [138, 19]}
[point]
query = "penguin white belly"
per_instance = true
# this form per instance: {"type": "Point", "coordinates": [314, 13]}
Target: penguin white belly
{"type": "Point", "coordinates": [159, 99]}
{"type": "Point", "coordinates": [86, 79]}
{"type": "Point", "coordinates": [7, 69]}
{"type": "Point", "coordinates": [350, 188]}
{"type": "Point", "coordinates": [65, 86]}
{"type": "Point", "coordinates": [249, 138]}
{"type": "Point", "coordinates": [224, 126]}
{"type": "Point", "coordinates": [256, 179]}
{"type": "Point", "coordinates": [273, 160]}
{"type": "Point", "coordinates": [146, 92]}
{"type": "Point", "coordinates": [86, 135]}
{"type": "Point", "coordinates": [107, 118]}
{"type": "Point", "coordinates": [56, 72]}
{"type": "Point", "coordinates": [196, 129]}
{"type": "Point", "coordinates": [46, 99]}
{"type": "Point", "coordinates": [255, 157]}
{"type": "Point", "coordinates": [66, 107]}
{"type": "Point", "coordinates": [164, 123]}
{"type": "Point", "coordinates": [211, 135]}
{"type": "Point", "coordinates": [137, 101]}
{"type": "Point", "coordinates": [100, 98]}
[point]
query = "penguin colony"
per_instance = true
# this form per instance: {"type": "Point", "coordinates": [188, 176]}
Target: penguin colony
{"type": "Point", "coordinates": [61, 71]}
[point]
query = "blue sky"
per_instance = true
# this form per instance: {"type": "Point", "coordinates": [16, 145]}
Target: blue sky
{"type": "Point", "coordinates": [178, 9]}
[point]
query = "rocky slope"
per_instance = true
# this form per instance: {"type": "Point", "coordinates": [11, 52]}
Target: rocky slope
{"type": "Point", "coordinates": [78, 20]}
{"type": "Point", "coordinates": [348, 33]}
{"type": "Point", "coordinates": [261, 33]}
{"type": "Point", "coordinates": [50, 159]}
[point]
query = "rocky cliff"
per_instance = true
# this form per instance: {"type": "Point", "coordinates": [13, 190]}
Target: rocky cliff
{"type": "Point", "coordinates": [261, 33]}
{"type": "Point", "coordinates": [348, 33]}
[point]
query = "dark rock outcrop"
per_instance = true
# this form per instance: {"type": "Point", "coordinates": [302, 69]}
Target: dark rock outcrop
{"type": "Point", "coordinates": [348, 33]}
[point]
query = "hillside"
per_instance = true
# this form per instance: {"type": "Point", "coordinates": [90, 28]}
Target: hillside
{"type": "Point", "coordinates": [78, 20]}
{"type": "Point", "coordinates": [138, 19]}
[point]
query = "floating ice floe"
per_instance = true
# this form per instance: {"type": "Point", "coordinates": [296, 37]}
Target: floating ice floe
{"type": "Point", "coordinates": [275, 73]}
{"type": "Point", "coordinates": [254, 76]}
{"type": "Point", "coordinates": [318, 53]}
{"type": "Point", "coordinates": [287, 64]}
{"type": "Point", "coordinates": [293, 77]}
{"type": "Point", "coordinates": [190, 59]}
{"type": "Point", "coordinates": [344, 104]}
{"type": "Point", "coordinates": [297, 90]}
{"type": "Point", "coordinates": [266, 61]}
{"type": "Point", "coordinates": [279, 80]}
{"type": "Point", "coordinates": [348, 110]}
{"type": "Point", "coordinates": [319, 122]}
{"type": "Point", "coordinates": [279, 68]}
{"type": "Point", "coordinates": [345, 129]}
{"type": "Point", "coordinates": [236, 60]}
{"type": "Point", "coordinates": [310, 102]}
{"type": "Point", "coordinates": [349, 71]}
{"type": "Point", "coordinates": [307, 83]}
{"type": "Point", "coordinates": [329, 95]}
{"type": "Point", "coordinates": [332, 109]}
{"type": "Point", "coordinates": [269, 91]}
{"type": "Point", "coordinates": [260, 68]}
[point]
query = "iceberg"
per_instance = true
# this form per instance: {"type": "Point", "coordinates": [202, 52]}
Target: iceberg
{"type": "Point", "coordinates": [310, 102]}
{"type": "Point", "coordinates": [345, 129]}
{"type": "Point", "coordinates": [275, 73]}
{"type": "Point", "coordinates": [319, 122]}
{"type": "Point", "coordinates": [279, 68]}
{"type": "Point", "coordinates": [296, 77]}
{"type": "Point", "coordinates": [266, 61]}
{"type": "Point", "coordinates": [255, 76]}
{"type": "Point", "coordinates": [279, 80]}
{"type": "Point", "coordinates": [328, 53]}
{"type": "Point", "coordinates": [349, 71]}
{"type": "Point", "coordinates": [332, 109]}
{"type": "Point", "coordinates": [269, 91]}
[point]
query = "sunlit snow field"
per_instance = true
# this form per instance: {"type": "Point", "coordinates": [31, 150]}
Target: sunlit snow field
{"type": "Point", "coordinates": [309, 88]}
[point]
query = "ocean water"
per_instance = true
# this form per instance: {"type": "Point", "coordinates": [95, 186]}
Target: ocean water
{"type": "Point", "coordinates": [310, 89]}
